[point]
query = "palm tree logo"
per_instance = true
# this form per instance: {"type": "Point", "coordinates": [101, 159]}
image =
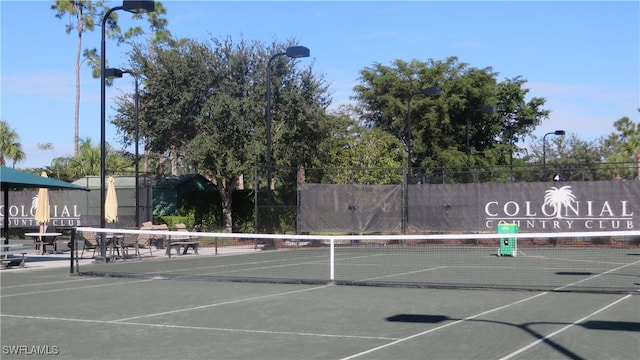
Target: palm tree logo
{"type": "Point", "coordinates": [34, 202]}
{"type": "Point", "coordinates": [559, 197]}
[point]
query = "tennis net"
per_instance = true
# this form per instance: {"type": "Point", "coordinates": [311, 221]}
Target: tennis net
{"type": "Point", "coordinates": [606, 262]}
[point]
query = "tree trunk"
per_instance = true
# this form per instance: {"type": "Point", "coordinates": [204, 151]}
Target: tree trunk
{"type": "Point", "coordinates": [226, 188]}
{"type": "Point", "coordinates": [302, 175]}
{"type": "Point", "coordinates": [76, 133]}
{"type": "Point", "coordinates": [174, 160]}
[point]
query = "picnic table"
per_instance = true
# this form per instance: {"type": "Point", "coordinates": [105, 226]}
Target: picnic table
{"type": "Point", "coordinates": [6, 250]}
{"type": "Point", "coordinates": [184, 245]}
{"type": "Point", "coordinates": [38, 241]}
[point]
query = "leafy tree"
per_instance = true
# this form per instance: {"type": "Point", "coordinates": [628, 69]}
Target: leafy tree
{"type": "Point", "coordinates": [625, 144]}
{"type": "Point", "coordinates": [203, 105]}
{"type": "Point", "coordinates": [518, 118]}
{"type": "Point", "coordinates": [439, 124]}
{"type": "Point", "coordinates": [568, 156]}
{"type": "Point", "coordinates": [10, 147]}
{"type": "Point", "coordinates": [176, 83]}
{"type": "Point", "coordinates": [364, 156]}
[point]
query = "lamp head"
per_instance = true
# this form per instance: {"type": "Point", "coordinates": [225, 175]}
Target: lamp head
{"type": "Point", "coordinates": [435, 91]}
{"type": "Point", "coordinates": [487, 109]}
{"type": "Point", "coordinates": [113, 73]}
{"type": "Point", "coordinates": [139, 7]}
{"type": "Point", "coordinates": [295, 52]}
{"type": "Point", "coordinates": [559, 132]}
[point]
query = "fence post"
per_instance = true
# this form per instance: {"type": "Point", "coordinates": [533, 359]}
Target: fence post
{"type": "Point", "coordinates": [405, 200]}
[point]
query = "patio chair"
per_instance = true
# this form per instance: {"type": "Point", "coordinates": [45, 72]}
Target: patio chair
{"type": "Point", "coordinates": [159, 240]}
{"type": "Point", "coordinates": [130, 241]}
{"type": "Point", "coordinates": [90, 242]}
{"type": "Point", "coordinates": [144, 240]}
{"type": "Point", "coordinates": [48, 240]}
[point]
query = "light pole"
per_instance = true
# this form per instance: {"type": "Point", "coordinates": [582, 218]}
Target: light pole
{"type": "Point", "coordinates": [293, 52]}
{"type": "Point", "coordinates": [544, 151]}
{"type": "Point", "coordinates": [435, 91]}
{"type": "Point", "coordinates": [136, 7]}
{"type": "Point", "coordinates": [117, 73]}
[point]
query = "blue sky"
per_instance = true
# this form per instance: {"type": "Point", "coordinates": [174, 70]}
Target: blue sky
{"type": "Point", "coordinates": [583, 57]}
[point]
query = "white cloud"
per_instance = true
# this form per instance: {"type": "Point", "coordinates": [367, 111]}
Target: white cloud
{"type": "Point", "coordinates": [52, 86]}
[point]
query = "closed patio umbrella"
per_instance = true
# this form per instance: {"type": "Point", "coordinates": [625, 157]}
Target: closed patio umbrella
{"type": "Point", "coordinates": [42, 215]}
{"type": "Point", "coordinates": [111, 202]}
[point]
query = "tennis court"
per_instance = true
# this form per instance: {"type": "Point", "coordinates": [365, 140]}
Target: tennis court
{"type": "Point", "coordinates": [78, 317]}
{"type": "Point", "coordinates": [288, 303]}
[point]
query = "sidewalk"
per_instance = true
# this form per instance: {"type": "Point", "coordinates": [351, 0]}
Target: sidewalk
{"type": "Point", "coordinates": [34, 260]}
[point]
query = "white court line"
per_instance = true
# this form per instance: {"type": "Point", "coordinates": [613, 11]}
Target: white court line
{"type": "Point", "coordinates": [185, 327]}
{"type": "Point", "coordinates": [222, 303]}
{"type": "Point", "coordinates": [500, 308]}
{"type": "Point", "coordinates": [404, 273]}
{"type": "Point", "coordinates": [598, 275]}
{"type": "Point", "coordinates": [588, 261]}
{"type": "Point", "coordinates": [547, 337]}
{"type": "Point", "coordinates": [264, 267]}
{"type": "Point", "coordinates": [320, 261]}
{"type": "Point", "coordinates": [230, 265]}
{"type": "Point", "coordinates": [74, 288]}
{"type": "Point", "coordinates": [49, 283]}
{"type": "Point", "coordinates": [440, 327]}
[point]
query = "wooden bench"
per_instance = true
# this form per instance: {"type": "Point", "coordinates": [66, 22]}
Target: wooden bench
{"type": "Point", "coordinates": [182, 241]}
{"type": "Point", "coordinates": [5, 252]}
{"type": "Point", "coordinates": [180, 244]}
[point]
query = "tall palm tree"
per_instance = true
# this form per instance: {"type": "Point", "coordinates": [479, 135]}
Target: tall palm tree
{"type": "Point", "coordinates": [10, 147]}
{"type": "Point", "coordinates": [83, 16]}
{"type": "Point", "coordinates": [87, 161]}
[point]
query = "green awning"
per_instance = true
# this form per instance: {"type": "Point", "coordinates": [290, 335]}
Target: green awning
{"type": "Point", "coordinates": [11, 178]}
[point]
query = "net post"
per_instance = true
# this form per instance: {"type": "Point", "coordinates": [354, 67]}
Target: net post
{"type": "Point", "coordinates": [72, 254]}
{"type": "Point", "coordinates": [332, 257]}
{"type": "Point", "coordinates": [169, 246]}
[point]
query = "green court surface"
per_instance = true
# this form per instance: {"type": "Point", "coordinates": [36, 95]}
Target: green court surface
{"type": "Point", "coordinates": [49, 313]}
{"type": "Point", "coordinates": [591, 269]}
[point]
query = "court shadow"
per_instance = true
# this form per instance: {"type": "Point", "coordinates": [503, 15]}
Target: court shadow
{"type": "Point", "coordinates": [566, 353]}
{"type": "Point", "coordinates": [44, 258]}
{"type": "Point", "coordinates": [574, 273]}
{"type": "Point", "coordinates": [527, 327]}
{"type": "Point", "coordinates": [612, 325]}
{"type": "Point", "coordinates": [417, 318]}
